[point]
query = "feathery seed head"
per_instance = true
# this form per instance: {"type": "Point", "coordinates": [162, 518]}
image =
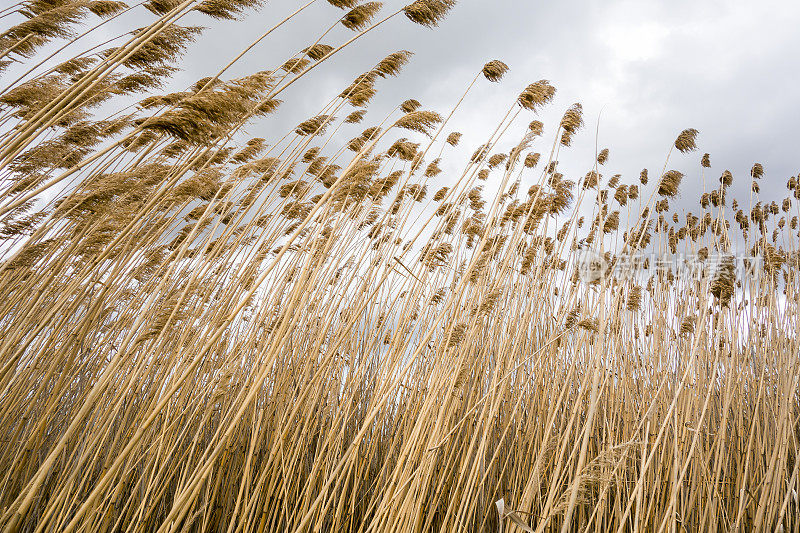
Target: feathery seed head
{"type": "Point", "coordinates": [536, 95]}
{"type": "Point", "coordinates": [295, 65]}
{"type": "Point", "coordinates": [315, 125]}
{"type": "Point", "coordinates": [532, 159]}
{"type": "Point", "coordinates": [226, 9]}
{"type": "Point", "coordinates": [355, 117]}
{"type": "Point", "coordinates": [410, 105]}
{"type": "Point", "coordinates": [670, 182]}
{"type": "Point", "coordinates": [392, 64]}
{"type": "Point", "coordinates": [419, 121]}
{"type": "Point", "coordinates": [686, 140]}
{"type": "Point", "coordinates": [456, 335]}
{"type": "Point", "coordinates": [428, 13]}
{"type": "Point", "coordinates": [433, 169]}
{"type": "Point", "coordinates": [571, 123]}
{"type": "Point", "coordinates": [494, 70]}
{"type": "Point", "coordinates": [318, 51]}
{"type": "Point", "coordinates": [687, 325]}
{"type": "Point", "coordinates": [453, 138]}
{"type": "Point", "coordinates": [360, 16]}
{"type": "Point", "coordinates": [107, 8]}
{"type": "Point", "coordinates": [343, 4]}
{"type": "Point", "coordinates": [634, 298]}
{"type": "Point", "coordinates": [440, 194]}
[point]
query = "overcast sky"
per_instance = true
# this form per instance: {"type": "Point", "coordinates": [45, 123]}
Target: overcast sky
{"type": "Point", "coordinates": [731, 69]}
{"type": "Point", "coordinates": [728, 68]}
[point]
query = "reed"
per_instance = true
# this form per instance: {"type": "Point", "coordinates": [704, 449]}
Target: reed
{"type": "Point", "coordinates": [327, 332]}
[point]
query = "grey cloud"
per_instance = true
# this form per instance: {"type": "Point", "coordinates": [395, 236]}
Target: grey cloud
{"type": "Point", "coordinates": [653, 69]}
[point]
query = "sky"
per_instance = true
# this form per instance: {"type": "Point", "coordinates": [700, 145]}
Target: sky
{"type": "Point", "coordinates": [643, 72]}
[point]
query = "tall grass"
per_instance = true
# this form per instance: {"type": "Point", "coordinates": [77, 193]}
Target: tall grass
{"type": "Point", "coordinates": [310, 332]}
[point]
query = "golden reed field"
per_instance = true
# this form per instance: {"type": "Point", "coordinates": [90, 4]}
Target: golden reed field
{"type": "Point", "coordinates": [204, 331]}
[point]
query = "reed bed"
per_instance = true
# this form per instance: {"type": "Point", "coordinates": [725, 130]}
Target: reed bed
{"type": "Point", "coordinates": [312, 332]}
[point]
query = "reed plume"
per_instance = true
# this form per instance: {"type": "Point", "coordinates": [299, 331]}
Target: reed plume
{"type": "Point", "coordinates": [346, 326]}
